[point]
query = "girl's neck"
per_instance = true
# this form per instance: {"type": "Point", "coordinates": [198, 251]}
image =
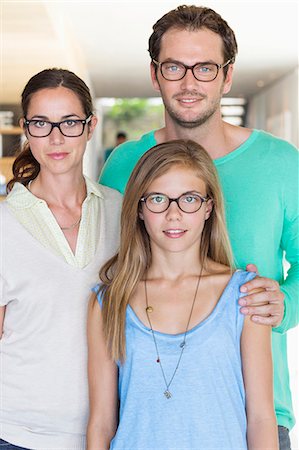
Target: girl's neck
{"type": "Point", "coordinates": [174, 266]}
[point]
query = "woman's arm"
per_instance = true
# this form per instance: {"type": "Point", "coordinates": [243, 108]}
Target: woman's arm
{"type": "Point", "coordinates": [2, 314]}
{"type": "Point", "coordinates": [102, 378]}
{"type": "Point", "coordinates": [258, 379]}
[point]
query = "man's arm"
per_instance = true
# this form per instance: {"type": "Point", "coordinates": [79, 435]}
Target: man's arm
{"type": "Point", "coordinates": [277, 305]}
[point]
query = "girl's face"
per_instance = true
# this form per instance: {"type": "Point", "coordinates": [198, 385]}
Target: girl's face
{"type": "Point", "coordinates": [174, 230]}
{"type": "Point", "coordinates": [57, 153]}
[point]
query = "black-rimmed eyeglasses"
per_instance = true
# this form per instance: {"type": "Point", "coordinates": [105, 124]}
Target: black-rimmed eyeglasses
{"type": "Point", "coordinates": [189, 202]}
{"type": "Point", "coordinates": [69, 128]}
{"type": "Point", "coordinates": [176, 70]}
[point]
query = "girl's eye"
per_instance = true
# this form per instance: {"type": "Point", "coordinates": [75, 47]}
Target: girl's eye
{"type": "Point", "coordinates": [190, 198]}
{"type": "Point", "coordinates": [157, 199]}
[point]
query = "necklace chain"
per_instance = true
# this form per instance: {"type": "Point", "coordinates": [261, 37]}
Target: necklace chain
{"type": "Point", "coordinates": [71, 226]}
{"type": "Point", "coordinates": [148, 310]}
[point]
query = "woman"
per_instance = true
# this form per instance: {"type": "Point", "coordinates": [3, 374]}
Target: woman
{"type": "Point", "coordinates": [169, 332]}
{"type": "Point", "coordinates": [59, 226]}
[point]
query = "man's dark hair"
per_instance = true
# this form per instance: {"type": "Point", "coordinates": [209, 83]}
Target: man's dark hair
{"type": "Point", "coordinates": [193, 18]}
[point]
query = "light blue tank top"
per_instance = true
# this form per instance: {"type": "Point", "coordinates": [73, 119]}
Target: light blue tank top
{"type": "Point", "coordinates": [207, 407]}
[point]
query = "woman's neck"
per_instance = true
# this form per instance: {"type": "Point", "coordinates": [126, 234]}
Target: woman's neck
{"type": "Point", "coordinates": [59, 190]}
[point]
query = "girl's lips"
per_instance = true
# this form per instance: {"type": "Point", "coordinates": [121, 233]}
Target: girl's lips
{"type": "Point", "coordinates": [174, 234]}
{"type": "Point", "coordinates": [58, 155]}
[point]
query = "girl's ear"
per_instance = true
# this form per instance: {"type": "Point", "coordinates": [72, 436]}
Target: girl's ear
{"type": "Point", "coordinates": [140, 214]}
{"type": "Point", "coordinates": [209, 208]}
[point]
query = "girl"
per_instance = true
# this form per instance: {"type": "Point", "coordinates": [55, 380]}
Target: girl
{"type": "Point", "coordinates": [58, 227]}
{"type": "Point", "coordinates": [190, 372]}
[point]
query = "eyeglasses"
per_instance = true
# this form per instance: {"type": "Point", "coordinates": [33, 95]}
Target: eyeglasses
{"type": "Point", "coordinates": [175, 70]}
{"type": "Point", "coordinates": [189, 202]}
{"type": "Point", "coordinates": [69, 128]}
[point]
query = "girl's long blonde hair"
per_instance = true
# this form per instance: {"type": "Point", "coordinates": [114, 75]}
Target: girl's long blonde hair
{"type": "Point", "coordinates": [121, 274]}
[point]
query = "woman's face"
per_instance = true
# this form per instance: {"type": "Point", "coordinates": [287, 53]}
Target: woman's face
{"type": "Point", "coordinates": [174, 230]}
{"type": "Point", "coordinates": [56, 153]}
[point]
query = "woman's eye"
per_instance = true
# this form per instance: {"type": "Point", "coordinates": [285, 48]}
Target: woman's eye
{"type": "Point", "coordinates": [69, 123]}
{"type": "Point", "coordinates": [39, 123]}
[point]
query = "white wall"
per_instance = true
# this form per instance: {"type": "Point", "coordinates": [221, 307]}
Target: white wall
{"type": "Point", "coordinates": [275, 108]}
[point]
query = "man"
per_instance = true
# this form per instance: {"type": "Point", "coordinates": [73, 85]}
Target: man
{"type": "Point", "coordinates": [120, 138]}
{"type": "Point", "coordinates": [192, 53]}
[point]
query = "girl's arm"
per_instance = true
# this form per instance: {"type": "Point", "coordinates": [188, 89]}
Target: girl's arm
{"type": "Point", "coordinates": [102, 378]}
{"type": "Point", "coordinates": [2, 314]}
{"type": "Point", "coordinates": [258, 379]}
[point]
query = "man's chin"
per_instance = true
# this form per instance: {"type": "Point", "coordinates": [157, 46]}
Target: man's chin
{"type": "Point", "coordinates": [191, 122]}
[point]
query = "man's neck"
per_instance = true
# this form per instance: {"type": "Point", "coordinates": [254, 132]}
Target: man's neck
{"type": "Point", "coordinates": [218, 138]}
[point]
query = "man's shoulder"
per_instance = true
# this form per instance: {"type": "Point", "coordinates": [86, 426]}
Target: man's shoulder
{"type": "Point", "coordinates": [275, 143]}
{"type": "Point", "coordinates": [123, 159]}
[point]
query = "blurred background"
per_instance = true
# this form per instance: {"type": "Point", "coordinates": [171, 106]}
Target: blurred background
{"type": "Point", "coordinates": [105, 43]}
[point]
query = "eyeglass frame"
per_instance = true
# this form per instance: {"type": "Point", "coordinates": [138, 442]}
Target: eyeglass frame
{"type": "Point", "coordinates": [57, 125]}
{"type": "Point", "coordinates": [176, 200]}
{"type": "Point", "coordinates": [219, 66]}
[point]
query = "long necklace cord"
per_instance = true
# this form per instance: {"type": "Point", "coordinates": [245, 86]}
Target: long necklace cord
{"type": "Point", "coordinates": [148, 310]}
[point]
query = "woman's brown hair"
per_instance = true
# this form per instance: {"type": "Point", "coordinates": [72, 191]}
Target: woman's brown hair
{"type": "Point", "coordinates": [121, 274]}
{"type": "Point", "coordinates": [25, 167]}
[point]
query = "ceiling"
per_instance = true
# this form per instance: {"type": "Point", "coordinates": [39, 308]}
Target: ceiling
{"type": "Point", "coordinates": [106, 42]}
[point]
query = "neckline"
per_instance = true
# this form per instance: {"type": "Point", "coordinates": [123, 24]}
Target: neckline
{"type": "Point", "coordinates": [41, 247]}
{"type": "Point", "coordinates": [233, 154]}
{"type": "Point", "coordinates": [239, 150]}
{"type": "Point", "coordinates": [216, 310]}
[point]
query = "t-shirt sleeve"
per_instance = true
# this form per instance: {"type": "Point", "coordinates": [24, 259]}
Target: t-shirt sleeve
{"type": "Point", "coordinates": [97, 291]}
{"type": "Point", "coordinates": [290, 244]}
{"type": "Point", "coordinates": [4, 295]}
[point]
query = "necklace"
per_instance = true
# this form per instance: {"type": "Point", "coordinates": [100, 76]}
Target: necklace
{"type": "Point", "coordinates": [149, 309]}
{"type": "Point", "coordinates": [71, 226]}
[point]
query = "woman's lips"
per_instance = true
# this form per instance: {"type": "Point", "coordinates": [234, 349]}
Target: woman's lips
{"type": "Point", "coordinates": [58, 155]}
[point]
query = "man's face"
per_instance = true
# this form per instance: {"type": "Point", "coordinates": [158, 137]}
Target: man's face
{"type": "Point", "coordinates": [189, 102]}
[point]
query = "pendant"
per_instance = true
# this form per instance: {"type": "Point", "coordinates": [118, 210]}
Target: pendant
{"type": "Point", "coordinates": [183, 344]}
{"type": "Point", "coordinates": [149, 309]}
{"type": "Point", "coordinates": [167, 394]}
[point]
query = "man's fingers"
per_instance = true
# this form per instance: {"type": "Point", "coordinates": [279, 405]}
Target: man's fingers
{"type": "Point", "coordinates": [265, 310]}
{"type": "Point", "coordinates": [270, 320]}
{"type": "Point", "coordinates": [251, 268]}
{"type": "Point", "coordinates": [260, 283]}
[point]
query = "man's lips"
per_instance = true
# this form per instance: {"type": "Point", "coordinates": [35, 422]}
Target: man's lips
{"type": "Point", "coordinates": [58, 155]}
{"type": "Point", "coordinates": [188, 99]}
{"type": "Point", "coordinates": [174, 233]}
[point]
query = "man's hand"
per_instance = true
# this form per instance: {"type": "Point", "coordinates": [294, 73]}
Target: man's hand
{"type": "Point", "coordinates": [264, 300]}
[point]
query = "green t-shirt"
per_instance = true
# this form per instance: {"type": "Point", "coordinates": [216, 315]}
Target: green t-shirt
{"type": "Point", "coordinates": [260, 185]}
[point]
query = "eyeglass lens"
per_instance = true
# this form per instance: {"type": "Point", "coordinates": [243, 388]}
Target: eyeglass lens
{"type": "Point", "coordinates": [42, 128]}
{"type": "Point", "coordinates": [159, 203]}
{"type": "Point", "coordinates": [176, 71]}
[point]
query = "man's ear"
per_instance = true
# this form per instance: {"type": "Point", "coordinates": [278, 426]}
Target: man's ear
{"type": "Point", "coordinates": [209, 208]}
{"type": "Point", "coordinates": [155, 82]}
{"type": "Point", "coordinates": [228, 79]}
